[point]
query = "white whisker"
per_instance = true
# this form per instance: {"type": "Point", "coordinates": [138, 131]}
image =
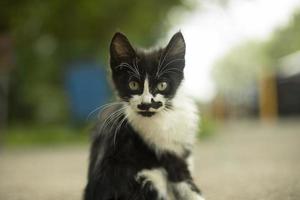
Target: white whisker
{"type": "Point", "coordinates": [161, 63]}
{"type": "Point", "coordinates": [174, 60]}
{"type": "Point", "coordinates": [111, 117]}
{"type": "Point", "coordinates": [133, 69]}
{"type": "Point", "coordinates": [133, 75]}
{"type": "Point", "coordinates": [118, 128]}
{"type": "Point", "coordinates": [136, 67]}
{"type": "Point", "coordinates": [116, 118]}
{"type": "Point", "coordinates": [165, 66]}
{"type": "Point", "coordinates": [103, 107]}
{"type": "Point", "coordinates": [170, 71]}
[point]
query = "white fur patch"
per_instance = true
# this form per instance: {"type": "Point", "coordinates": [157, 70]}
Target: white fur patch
{"type": "Point", "coordinates": [146, 96]}
{"type": "Point", "coordinates": [158, 179]}
{"type": "Point", "coordinates": [185, 192]}
{"type": "Point", "coordinates": [190, 163]}
{"type": "Point", "coordinates": [172, 130]}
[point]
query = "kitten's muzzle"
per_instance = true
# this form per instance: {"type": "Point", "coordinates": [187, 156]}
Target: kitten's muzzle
{"type": "Point", "coordinates": [147, 106]}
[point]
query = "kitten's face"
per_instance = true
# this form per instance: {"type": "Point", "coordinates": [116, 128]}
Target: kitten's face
{"type": "Point", "coordinates": [147, 80]}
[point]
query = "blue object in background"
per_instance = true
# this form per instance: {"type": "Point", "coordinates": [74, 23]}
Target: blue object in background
{"type": "Point", "coordinates": [87, 88]}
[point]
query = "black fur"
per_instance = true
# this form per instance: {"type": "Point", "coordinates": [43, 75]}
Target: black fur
{"type": "Point", "coordinates": [119, 153]}
{"type": "Point", "coordinates": [124, 157]}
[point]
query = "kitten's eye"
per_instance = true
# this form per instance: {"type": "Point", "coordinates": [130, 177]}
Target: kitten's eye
{"type": "Point", "coordinates": [133, 85]}
{"type": "Point", "coordinates": [162, 86]}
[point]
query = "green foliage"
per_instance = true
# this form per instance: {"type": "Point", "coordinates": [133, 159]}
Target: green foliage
{"type": "Point", "coordinates": [207, 127]}
{"type": "Point", "coordinates": [241, 65]}
{"type": "Point", "coordinates": [23, 136]}
{"type": "Point", "coordinates": [285, 40]}
{"type": "Point", "coordinates": [240, 68]}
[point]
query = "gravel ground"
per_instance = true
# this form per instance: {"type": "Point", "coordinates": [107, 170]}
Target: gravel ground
{"type": "Point", "coordinates": [243, 161]}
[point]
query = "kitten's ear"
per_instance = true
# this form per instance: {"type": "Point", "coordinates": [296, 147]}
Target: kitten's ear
{"type": "Point", "coordinates": [120, 49]}
{"type": "Point", "coordinates": [176, 47]}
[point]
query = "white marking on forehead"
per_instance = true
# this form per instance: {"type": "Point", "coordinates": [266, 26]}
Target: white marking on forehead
{"type": "Point", "coordinates": [146, 96]}
{"type": "Point", "coordinates": [146, 86]}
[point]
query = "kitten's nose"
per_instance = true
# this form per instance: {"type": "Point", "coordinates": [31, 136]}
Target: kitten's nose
{"type": "Point", "coordinates": [147, 106]}
{"type": "Point", "coordinates": [144, 106]}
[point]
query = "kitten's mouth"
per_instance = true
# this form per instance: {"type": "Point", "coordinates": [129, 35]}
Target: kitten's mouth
{"type": "Point", "coordinates": [146, 113]}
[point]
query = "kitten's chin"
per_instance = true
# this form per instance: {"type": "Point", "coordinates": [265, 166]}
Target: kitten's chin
{"type": "Point", "coordinates": [146, 113]}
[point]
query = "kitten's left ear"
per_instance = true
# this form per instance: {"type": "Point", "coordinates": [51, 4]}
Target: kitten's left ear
{"type": "Point", "coordinates": [176, 47]}
{"type": "Point", "coordinates": [120, 49]}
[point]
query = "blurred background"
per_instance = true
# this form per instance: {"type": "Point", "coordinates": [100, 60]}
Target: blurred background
{"type": "Point", "coordinates": [242, 69]}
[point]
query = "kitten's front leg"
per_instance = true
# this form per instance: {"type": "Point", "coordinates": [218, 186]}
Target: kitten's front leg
{"type": "Point", "coordinates": [180, 178]}
{"type": "Point", "coordinates": [186, 190]}
{"type": "Point", "coordinates": [153, 183]}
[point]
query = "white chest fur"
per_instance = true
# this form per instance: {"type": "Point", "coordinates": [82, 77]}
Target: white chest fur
{"type": "Point", "coordinates": [172, 130]}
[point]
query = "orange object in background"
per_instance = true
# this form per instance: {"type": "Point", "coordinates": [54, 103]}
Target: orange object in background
{"type": "Point", "coordinates": [268, 101]}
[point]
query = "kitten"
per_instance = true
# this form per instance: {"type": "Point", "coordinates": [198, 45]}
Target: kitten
{"type": "Point", "coordinates": [142, 145]}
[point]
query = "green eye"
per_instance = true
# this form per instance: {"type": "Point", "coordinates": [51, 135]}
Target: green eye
{"type": "Point", "coordinates": [162, 86]}
{"type": "Point", "coordinates": [133, 85]}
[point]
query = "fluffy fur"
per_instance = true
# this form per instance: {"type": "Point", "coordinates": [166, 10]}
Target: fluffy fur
{"type": "Point", "coordinates": [142, 144]}
{"type": "Point", "coordinates": [172, 130]}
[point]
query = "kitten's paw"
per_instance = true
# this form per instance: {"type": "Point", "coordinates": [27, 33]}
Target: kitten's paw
{"type": "Point", "coordinates": [150, 192]}
{"type": "Point", "coordinates": [153, 184]}
{"type": "Point", "coordinates": [193, 196]}
{"type": "Point", "coordinates": [187, 191]}
{"type": "Point", "coordinates": [200, 198]}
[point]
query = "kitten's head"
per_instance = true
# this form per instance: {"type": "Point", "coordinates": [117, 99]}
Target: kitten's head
{"type": "Point", "coordinates": [148, 80]}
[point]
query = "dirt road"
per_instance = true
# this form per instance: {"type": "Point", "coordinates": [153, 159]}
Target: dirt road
{"type": "Point", "coordinates": [243, 161]}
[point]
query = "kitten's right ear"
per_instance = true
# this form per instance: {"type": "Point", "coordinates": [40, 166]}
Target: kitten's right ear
{"type": "Point", "coordinates": [176, 47]}
{"type": "Point", "coordinates": [120, 49]}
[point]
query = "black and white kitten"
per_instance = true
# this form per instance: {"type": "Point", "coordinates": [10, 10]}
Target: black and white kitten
{"type": "Point", "coordinates": [142, 145]}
